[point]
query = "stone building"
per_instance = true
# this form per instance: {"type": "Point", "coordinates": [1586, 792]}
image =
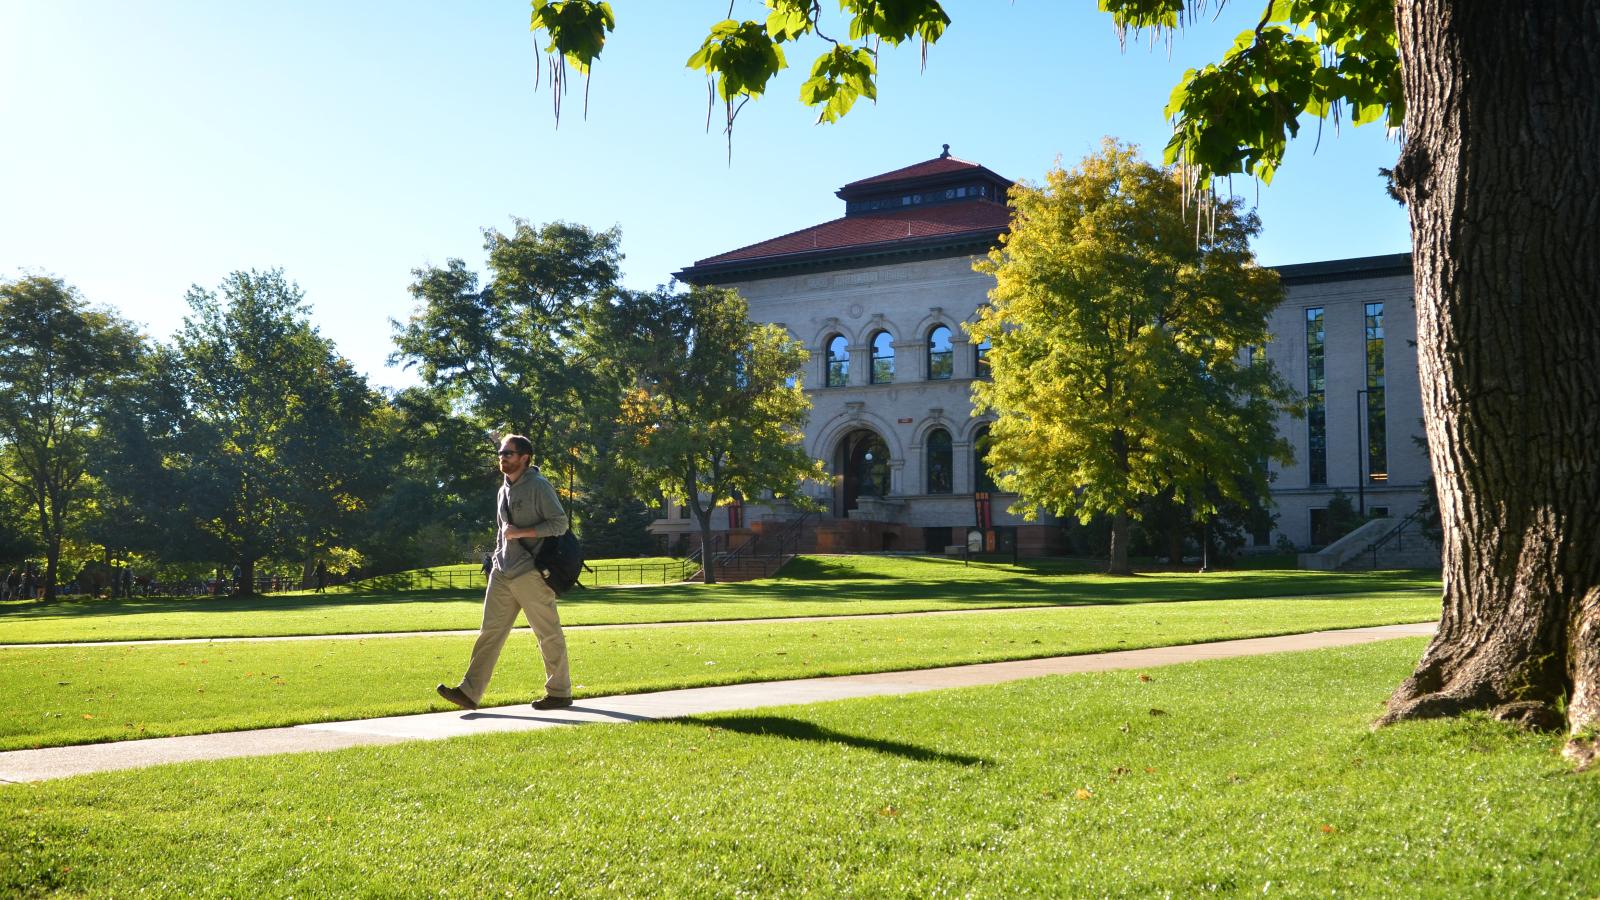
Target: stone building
{"type": "Point", "coordinates": [880, 294]}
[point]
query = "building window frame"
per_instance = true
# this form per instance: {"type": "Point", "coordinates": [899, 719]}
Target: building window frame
{"type": "Point", "coordinates": [982, 475]}
{"type": "Point", "coordinates": [837, 362]}
{"type": "Point", "coordinates": [939, 453]}
{"type": "Point", "coordinates": [1376, 412]}
{"type": "Point", "coordinates": [882, 369]}
{"type": "Point", "coordinates": [941, 362]}
{"type": "Point", "coordinates": [1316, 396]}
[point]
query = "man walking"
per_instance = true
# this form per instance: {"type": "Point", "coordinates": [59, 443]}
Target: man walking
{"type": "Point", "coordinates": [527, 509]}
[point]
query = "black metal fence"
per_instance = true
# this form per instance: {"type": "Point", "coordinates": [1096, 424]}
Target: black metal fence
{"type": "Point", "coordinates": [610, 573]}
{"type": "Point", "coordinates": [614, 573]}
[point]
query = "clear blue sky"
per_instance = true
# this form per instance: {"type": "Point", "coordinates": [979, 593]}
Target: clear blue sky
{"type": "Point", "coordinates": [153, 145]}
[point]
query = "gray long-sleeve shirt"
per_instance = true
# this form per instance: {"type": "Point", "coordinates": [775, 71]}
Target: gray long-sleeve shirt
{"type": "Point", "coordinates": [529, 502]}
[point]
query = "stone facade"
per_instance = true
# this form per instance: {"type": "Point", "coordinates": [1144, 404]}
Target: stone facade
{"type": "Point", "coordinates": [862, 299]}
{"type": "Point", "coordinates": [1344, 290]}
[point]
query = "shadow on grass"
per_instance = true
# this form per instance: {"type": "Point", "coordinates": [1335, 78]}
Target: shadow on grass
{"type": "Point", "coordinates": [807, 579]}
{"type": "Point", "coordinates": [1026, 589]}
{"type": "Point", "coordinates": [557, 717]}
{"type": "Point", "coordinates": [797, 730]}
{"type": "Point", "coordinates": [258, 603]}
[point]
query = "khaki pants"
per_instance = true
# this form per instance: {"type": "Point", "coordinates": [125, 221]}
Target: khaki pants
{"type": "Point", "coordinates": [501, 601]}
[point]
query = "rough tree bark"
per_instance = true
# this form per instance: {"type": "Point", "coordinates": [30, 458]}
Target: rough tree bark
{"type": "Point", "coordinates": [1501, 176]}
{"type": "Point", "coordinates": [1121, 534]}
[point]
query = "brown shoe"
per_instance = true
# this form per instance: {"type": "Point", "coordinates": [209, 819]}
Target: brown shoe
{"type": "Point", "coordinates": [548, 702]}
{"type": "Point", "coordinates": [455, 696]}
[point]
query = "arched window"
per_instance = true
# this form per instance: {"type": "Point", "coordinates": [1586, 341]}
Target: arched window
{"type": "Point", "coordinates": [882, 358]}
{"type": "Point", "coordinates": [941, 364]}
{"type": "Point", "coordinates": [980, 360]}
{"type": "Point", "coordinates": [938, 454]}
{"type": "Point", "coordinates": [838, 361]}
{"type": "Point", "coordinates": [982, 478]}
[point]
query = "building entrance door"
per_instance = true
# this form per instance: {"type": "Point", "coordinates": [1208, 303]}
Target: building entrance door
{"type": "Point", "coordinates": [861, 469]}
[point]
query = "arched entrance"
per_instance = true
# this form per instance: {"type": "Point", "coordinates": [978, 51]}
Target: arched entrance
{"type": "Point", "coordinates": [860, 469]}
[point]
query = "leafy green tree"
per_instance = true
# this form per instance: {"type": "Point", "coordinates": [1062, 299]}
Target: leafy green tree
{"type": "Point", "coordinates": [137, 509]}
{"type": "Point", "coordinates": [1119, 348]}
{"type": "Point", "coordinates": [505, 352]}
{"type": "Point", "coordinates": [617, 523]}
{"type": "Point", "coordinates": [17, 541]}
{"type": "Point", "coordinates": [713, 407]}
{"type": "Point", "coordinates": [61, 361]}
{"type": "Point", "coordinates": [270, 455]}
{"type": "Point", "coordinates": [435, 507]}
{"type": "Point", "coordinates": [1340, 518]}
{"type": "Point", "coordinates": [1495, 102]}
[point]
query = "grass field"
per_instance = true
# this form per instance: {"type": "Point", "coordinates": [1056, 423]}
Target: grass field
{"type": "Point", "coordinates": [68, 695]}
{"type": "Point", "coordinates": [1246, 776]}
{"type": "Point", "coordinates": [808, 586]}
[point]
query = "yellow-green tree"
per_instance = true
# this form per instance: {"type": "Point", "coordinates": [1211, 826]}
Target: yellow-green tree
{"type": "Point", "coordinates": [1120, 344]}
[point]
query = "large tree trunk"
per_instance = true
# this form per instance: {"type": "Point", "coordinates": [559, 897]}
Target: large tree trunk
{"type": "Point", "coordinates": [1121, 529]}
{"type": "Point", "coordinates": [708, 550]}
{"type": "Point", "coordinates": [1501, 174]}
{"type": "Point", "coordinates": [52, 564]}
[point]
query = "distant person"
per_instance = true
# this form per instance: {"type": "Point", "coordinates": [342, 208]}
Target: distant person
{"type": "Point", "coordinates": [29, 583]}
{"type": "Point", "coordinates": [238, 579]}
{"type": "Point", "coordinates": [488, 564]}
{"type": "Point", "coordinates": [527, 509]}
{"type": "Point", "coordinates": [320, 576]}
{"type": "Point", "coordinates": [127, 582]}
{"type": "Point", "coordinates": [13, 583]}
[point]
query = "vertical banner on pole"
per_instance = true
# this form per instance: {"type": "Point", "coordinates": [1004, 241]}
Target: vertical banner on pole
{"type": "Point", "coordinates": [984, 514]}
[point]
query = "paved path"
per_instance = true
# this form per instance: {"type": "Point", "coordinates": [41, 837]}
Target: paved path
{"type": "Point", "coordinates": [60, 762]}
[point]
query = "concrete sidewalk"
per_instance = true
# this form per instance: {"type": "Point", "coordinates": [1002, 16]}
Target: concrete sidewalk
{"type": "Point", "coordinates": [60, 762]}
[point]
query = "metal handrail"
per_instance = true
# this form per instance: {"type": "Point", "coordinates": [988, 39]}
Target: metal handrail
{"type": "Point", "coordinates": [781, 541]}
{"type": "Point", "coordinates": [1395, 535]}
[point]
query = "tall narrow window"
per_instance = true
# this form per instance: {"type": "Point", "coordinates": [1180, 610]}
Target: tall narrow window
{"type": "Point", "coordinates": [1377, 435]}
{"type": "Point", "coordinates": [1316, 399]}
{"type": "Point", "coordinates": [938, 450]}
{"type": "Point", "coordinates": [838, 361]}
{"type": "Point", "coordinates": [941, 364]}
{"type": "Point", "coordinates": [882, 358]}
{"type": "Point", "coordinates": [982, 478]}
{"type": "Point", "coordinates": [980, 360]}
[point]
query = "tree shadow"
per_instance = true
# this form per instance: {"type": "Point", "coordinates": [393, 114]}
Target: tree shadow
{"type": "Point", "coordinates": [558, 718]}
{"type": "Point", "coordinates": [800, 730]}
{"type": "Point", "coordinates": [1035, 583]}
{"type": "Point", "coordinates": [90, 607]}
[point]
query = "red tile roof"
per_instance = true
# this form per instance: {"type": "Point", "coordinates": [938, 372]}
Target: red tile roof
{"type": "Point", "coordinates": [937, 166]}
{"type": "Point", "coordinates": [919, 222]}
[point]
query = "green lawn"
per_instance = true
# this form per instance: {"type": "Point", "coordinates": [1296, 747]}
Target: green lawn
{"type": "Point", "coordinates": [1246, 776]}
{"type": "Point", "coordinates": [808, 586]}
{"type": "Point", "coordinates": [84, 694]}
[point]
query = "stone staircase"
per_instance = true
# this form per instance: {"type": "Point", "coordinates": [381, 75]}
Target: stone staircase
{"type": "Point", "coordinates": [1402, 547]}
{"type": "Point", "coordinates": [1378, 544]}
{"type": "Point", "coordinates": [769, 550]}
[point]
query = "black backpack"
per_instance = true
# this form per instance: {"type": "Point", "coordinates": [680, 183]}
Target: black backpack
{"type": "Point", "coordinates": [560, 561]}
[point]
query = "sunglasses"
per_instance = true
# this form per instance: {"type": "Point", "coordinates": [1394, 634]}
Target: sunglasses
{"type": "Point", "coordinates": [505, 453]}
